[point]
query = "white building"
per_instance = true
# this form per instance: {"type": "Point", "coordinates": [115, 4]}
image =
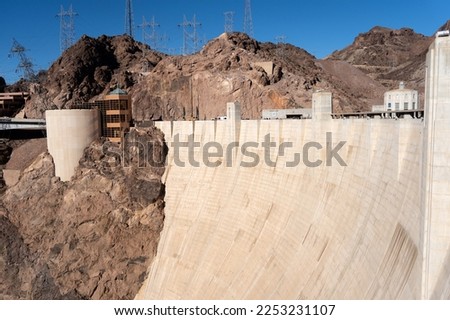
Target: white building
{"type": "Point", "coordinates": [401, 99]}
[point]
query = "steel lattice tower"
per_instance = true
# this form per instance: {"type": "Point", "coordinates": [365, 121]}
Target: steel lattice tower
{"type": "Point", "coordinates": [190, 38]}
{"type": "Point", "coordinates": [281, 41]}
{"type": "Point", "coordinates": [151, 38]}
{"type": "Point", "coordinates": [229, 20]}
{"type": "Point", "coordinates": [66, 28]}
{"type": "Point", "coordinates": [129, 18]}
{"type": "Point", "coordinates": [248, 20]}
{"type": "Point", "coordinates": [25, 64]}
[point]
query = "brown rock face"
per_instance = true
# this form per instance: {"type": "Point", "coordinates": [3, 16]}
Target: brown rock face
{"type": "Point", "coordinates": [91, 238]}
{"type": "Point", "coordinates": [389, 56]}
{"type": "Point", "coordinates": [227, 70]}
{"type": "Point", "coordinates": [2, 84]}
{"type": "Point", "coordinates": [89, 69]}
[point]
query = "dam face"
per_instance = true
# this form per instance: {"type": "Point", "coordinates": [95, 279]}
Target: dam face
{"type": "Point", "coordinates": [293, 233]}
{"type": "Point", "coordinates": [373, 226]}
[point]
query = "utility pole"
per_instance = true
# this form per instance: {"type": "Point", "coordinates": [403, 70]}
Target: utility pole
{"type": "Point", "coordinates": [229, 17]}
{"type": "Point", "coordinates": [25, 65]}
{"type": "Point", "coordinates": [190, 38]}
{"type": "Point", "coordinates": [129, 18]}
{"type": "Point", "coordinates": [248, 20]}
{"type": "Point", "coordinates": [66, 28]}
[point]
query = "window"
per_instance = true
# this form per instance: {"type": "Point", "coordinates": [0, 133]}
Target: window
{"type": "Point", "coordinates": [414, 106]}
{"type": "Point", "coordinates": [389, 106]}
{"type": "Point", "coordinates": [397, 106]}
{"type": "Point", "coordinates": [405, 106]}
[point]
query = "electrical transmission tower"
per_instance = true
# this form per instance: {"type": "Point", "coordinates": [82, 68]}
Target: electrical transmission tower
{"type": "Point", "coordinates": [191, 42]}
{"type": "Point", "coordinates": [129, 18]}
{"type": "Point", "coordinates": [66, 28]}
{"type": "Point", "coordinates": [229, 20]}
{"type": "Point", "coordinates": [248, 20]}
{"type": "Point", "coordinates": [281, 41]}
{"type": "Point", "coordinates": [25, 65]}
{"type": "Point", "coordinates": [151, 38]}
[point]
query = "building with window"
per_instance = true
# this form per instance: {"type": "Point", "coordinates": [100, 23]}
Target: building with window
{"type": "Point", "coordinates": [11, 102]}
{"type": "Point", "coordinates": [115, 114]}
{"type": "Point", "coordinates": [401, 99]}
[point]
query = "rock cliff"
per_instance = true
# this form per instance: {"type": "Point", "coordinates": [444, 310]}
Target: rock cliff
{"type": "Point", "coordinates": [90, 238]}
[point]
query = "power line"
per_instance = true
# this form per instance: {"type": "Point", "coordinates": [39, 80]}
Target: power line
{"type": "Point", "coordinates": [229, 21]}
{"type": "Point", "coordinates": [66, 28]}
{"type": "Point", "coordinates": [248, 20]}
{"type": "Point", "coordinates": [129, 18]}
{"type": "Point", "coordinates": [191, 42]}
{"type": "Point", "coordinates": [25, 65]}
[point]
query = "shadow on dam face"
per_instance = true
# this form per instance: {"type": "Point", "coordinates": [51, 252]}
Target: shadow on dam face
{"type": "Point", "coordinates": [278, 232]}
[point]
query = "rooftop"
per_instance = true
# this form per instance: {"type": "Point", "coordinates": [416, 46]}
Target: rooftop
{"type": "Point", "coordinates": [119, 92]}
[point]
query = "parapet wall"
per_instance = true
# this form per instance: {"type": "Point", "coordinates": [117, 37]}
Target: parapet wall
{"type": "Point", "coordinates": [263, 232]}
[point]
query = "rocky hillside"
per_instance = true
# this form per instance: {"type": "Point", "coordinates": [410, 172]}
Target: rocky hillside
{"type": "Point", "coordinates": [178, 87]}
{"type": "Point", "coordinates": [88, 69]}
{"type": "Point", "coordinates": [227, 69]}
{"type": "Point", "coordinates": [2, 84]}
{"type": "Point", "coordinates": [390, 56]}
{"type": "Point", "coordinates": [91, 238]}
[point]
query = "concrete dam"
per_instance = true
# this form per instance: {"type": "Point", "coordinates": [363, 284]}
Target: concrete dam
{"type": "Point", "coordinates": [374, 227]}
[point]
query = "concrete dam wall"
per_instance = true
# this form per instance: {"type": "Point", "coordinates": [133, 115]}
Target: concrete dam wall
{"type": "Point", "coordinates": [372, 224]}
{"type": "Point", "coordinates": [293, 233]}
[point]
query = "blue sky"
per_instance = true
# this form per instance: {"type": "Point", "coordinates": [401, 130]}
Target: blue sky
{"type": "Point", "coordinates": [320, 27]}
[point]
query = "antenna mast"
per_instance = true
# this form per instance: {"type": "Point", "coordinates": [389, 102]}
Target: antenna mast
{"type": "Point", "coordinates": [66, 28]}
{"type": "Point", "coordinates": [248, 20]}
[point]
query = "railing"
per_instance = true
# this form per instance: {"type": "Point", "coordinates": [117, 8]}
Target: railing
{"type": "Point", "coordinates": [396, 114]}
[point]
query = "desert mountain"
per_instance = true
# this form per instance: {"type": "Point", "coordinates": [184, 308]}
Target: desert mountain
{"type": "Point", "coordinates": [390, 56]}
{"type": "Point", "coordinates": [228, 69]}
{"type": "Point", "coordinates": [382, 52]}
{"type": "Point", "coordinates": [89, 69]}
{"type": "Point", "coordinates": [176, 87]}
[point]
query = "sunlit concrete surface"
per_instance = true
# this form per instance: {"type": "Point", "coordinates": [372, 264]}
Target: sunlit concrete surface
{"type": "Point", "coordinates": [69, 132]}
{"type": "Point", "coordinates": [294, 233]}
